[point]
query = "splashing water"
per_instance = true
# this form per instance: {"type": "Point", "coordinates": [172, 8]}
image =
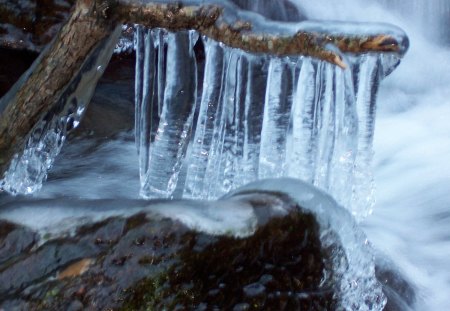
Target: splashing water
{"type": "Point", "coordinates": [410, 223]}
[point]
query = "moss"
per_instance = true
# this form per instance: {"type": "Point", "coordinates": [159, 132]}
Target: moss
{"type": "Point", "coordinates": [51, 293]}
{"type": "Point", "coordinates": [280, 267]}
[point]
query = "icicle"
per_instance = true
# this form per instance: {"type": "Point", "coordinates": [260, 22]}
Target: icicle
{"type": "Point", "coordinates": [326, 130]}
{"type": "Point", "coordinates": [173, 135]}
{"type": "Point", "coordinates": [161, 45]}
{"type": "Point", "coordinates": [144, 109]}
{"type": "Point", "coordinates": [277, 107]}
{"type": "Point", "coordinates": [227, 149]}
{"type": "Point", "coordinates": [295, 117]}
{"type": "Point", "coordinates": [368, 82]}
{"type": "Point", "coordinates": [253, 116]}
{"type": "Point", "coordinates": [208, 116]}
{"type": "Point", "coordinates": [139, 76]}
{"type": "Point", "coordinates": [345, 143]}
{"type": "Point", "coordinates": [301, 152]}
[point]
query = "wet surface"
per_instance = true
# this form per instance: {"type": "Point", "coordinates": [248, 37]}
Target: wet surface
{"type": "Point", "coordinates": [143, 262]}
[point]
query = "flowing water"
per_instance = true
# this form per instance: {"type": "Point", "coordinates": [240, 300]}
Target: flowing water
{"type": "Point", "coordinates": [411, 216]}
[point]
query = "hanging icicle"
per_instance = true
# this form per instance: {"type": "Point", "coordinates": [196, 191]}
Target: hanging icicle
{"type": "Point", "coordinates": [257, 117]}
{"type": "Point", "coordinates": [170, 93]}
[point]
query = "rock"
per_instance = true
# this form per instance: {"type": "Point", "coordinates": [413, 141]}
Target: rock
{"type": "Point", "coordinates": [153, 261]}
{"type": "Point", "coordinates": [75, 305]}
{"type": "Point", "coordinates": [138, 262]}
{"type": "Point", "coordinates": [14, 241]}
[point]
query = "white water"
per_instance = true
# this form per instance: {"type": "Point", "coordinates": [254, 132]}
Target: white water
{"type": "Point", "coordinates": [411, 222]}
{"type": "Point", "coordinates": [411, 219]}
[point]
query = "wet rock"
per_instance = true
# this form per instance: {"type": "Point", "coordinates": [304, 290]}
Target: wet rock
{"type": "Point", "coordinates": [254, 290]}
{"type": "Point", "coordinates": [14, 305]}
{"type": "Point", "coordinates": [75, 305]}
{"type": "Point", "coordinates": [140, 262]}
{"type": "Point", "coordinates": [14, 241]}
{"type": "Point", "coordinates": [151, 262]}
{"type": "Point", "coordinates": [40, 264]}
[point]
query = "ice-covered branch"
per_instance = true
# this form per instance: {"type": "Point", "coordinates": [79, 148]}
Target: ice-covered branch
{"type": "Point", "coordinates": [249, 31]}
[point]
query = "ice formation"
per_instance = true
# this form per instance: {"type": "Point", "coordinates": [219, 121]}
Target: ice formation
{"type": "Point", "coordinates": [207, 126]}
{"type": "Point", "coordinates": [210, 118]}
{"type": "Point", "coordinates": [357, 283]}
{"type": "Point", "coordinates": [29, 168]}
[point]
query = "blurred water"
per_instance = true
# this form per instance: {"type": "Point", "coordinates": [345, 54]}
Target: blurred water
{"type": "Point", "coordinates": [411, 219]}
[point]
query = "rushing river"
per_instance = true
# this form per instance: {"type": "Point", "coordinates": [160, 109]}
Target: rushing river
{"type": "Point", "coordinates": [411, 218]}
{"type": "Point", "coordinates": [410, 223]}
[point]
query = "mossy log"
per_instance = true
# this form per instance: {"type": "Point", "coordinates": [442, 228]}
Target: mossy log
{"type": "Point", "coordinates": [91, 25]}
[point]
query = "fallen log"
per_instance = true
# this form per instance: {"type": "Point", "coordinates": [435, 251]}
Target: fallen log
{"type": "Point", "coordinates": [223, 21]}
{"type": "Point", "coordinates": [88, 37]}
{"type": "Point", "coordinates": [54, 76]}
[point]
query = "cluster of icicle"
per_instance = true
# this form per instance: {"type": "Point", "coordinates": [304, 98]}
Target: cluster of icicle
{"type": "Point", "coordinates": [208, 124]}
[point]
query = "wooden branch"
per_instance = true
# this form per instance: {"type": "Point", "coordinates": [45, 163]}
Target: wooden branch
{"type": "Point", "coordinates": [44, 85]}
{"type": "Point", "coordinates": [225, 22]}
{"type": "Point", "coordinates": [56, 73]}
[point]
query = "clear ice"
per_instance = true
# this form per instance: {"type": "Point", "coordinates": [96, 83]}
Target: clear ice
{"type": "Point", "coordinates": [28, 169]}
{"type": "Point", "coordinates": [207, 124]}
{"type": "Point", "coordinates": [210, 118]}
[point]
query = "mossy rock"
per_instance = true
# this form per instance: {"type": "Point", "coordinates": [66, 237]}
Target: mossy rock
{"type": "Point", "coordinates": [269, 270]}
{"type": "Point", "coordinates": [149, 261]}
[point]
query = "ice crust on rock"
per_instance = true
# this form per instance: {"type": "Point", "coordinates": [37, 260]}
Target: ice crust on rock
{"type": "Point", "coordinates": [354, 268]}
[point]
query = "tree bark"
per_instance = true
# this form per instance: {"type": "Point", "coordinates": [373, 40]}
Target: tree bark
{"type": "Point", "coordinates": [47, 83]}
{"type": "Point", "coordinates": [223, 21]}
